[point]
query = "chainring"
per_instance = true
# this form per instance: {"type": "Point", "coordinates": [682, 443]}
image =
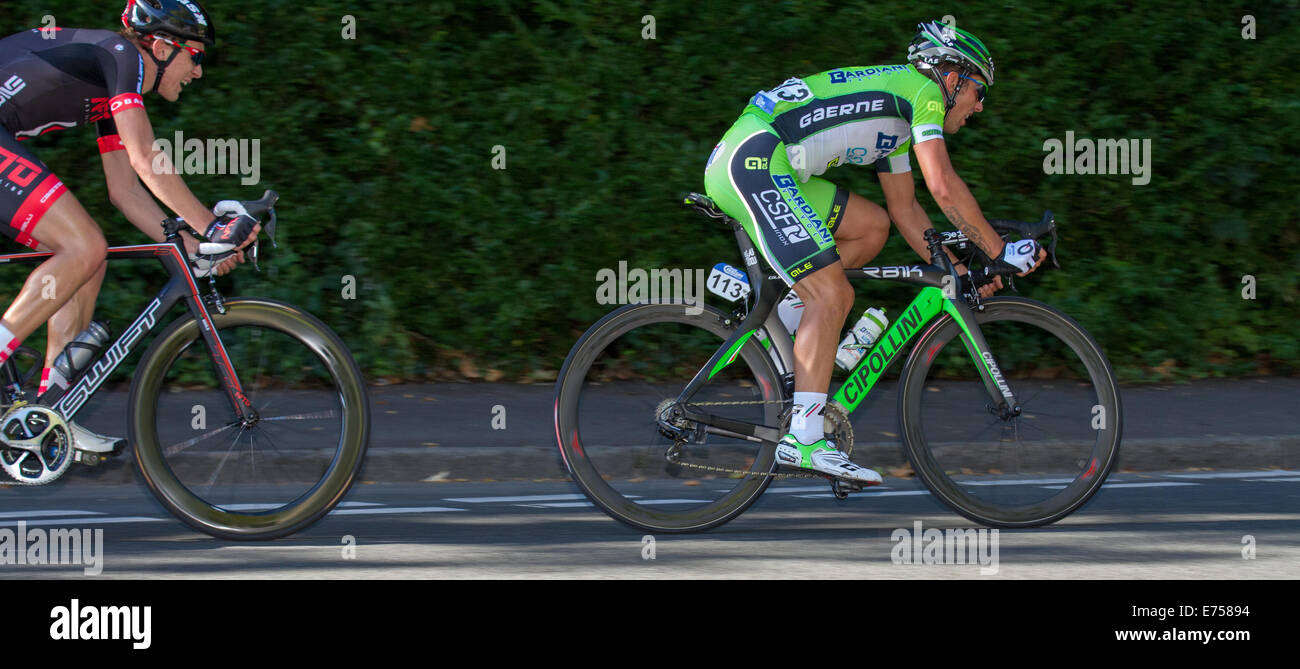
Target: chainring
{"type": "Point", "coordinates": [35, 444]}
{"type": "Point", "coordinates": [836, 424]}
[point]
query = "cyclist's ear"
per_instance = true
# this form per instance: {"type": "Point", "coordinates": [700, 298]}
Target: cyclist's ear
{"type": "Point", "coordinates": [161, 50]}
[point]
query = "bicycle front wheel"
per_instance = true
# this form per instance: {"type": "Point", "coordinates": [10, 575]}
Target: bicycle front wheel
{"type": "Point", "coordinates": [1011, 471]}
{"type": "Point", "coordinates": [273, 477]}
{"type": "Point", "coordinates": [622, 375]}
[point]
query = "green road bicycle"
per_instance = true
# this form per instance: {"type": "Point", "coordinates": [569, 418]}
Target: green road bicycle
{"type": "Point", "coordinates": [667, 415]}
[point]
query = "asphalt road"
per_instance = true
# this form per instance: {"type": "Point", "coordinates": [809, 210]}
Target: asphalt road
{"type": "Point", "coordinates": [1195, 525]}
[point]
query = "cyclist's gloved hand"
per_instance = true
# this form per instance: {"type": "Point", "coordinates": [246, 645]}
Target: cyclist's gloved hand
{"type": "Point", "coordinates": [225, 235]}
{"type": "Point", "coordinates": [1021, 256]}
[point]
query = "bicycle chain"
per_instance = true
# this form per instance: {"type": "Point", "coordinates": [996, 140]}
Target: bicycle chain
{"type": "Point", "coordinates": [773, 475]}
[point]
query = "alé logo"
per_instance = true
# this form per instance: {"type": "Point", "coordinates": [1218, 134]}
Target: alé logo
{"type": "Point", "coordinates": [11, 87]}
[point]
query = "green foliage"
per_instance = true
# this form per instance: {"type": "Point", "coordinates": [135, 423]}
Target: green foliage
{"type": "Point", "coordinates": [382, 148]}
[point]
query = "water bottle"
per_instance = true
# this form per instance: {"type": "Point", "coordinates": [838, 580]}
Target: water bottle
{"type": "Point", "coordinates": [80, 351]}
{"type": "Point", "coordinates": [790, 311]}
{"type": "Point", "coordinates": [861, 337]}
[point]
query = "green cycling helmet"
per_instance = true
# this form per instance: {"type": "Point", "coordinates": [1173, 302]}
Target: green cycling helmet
{"type": "Point", "coordinates": [936, 43]}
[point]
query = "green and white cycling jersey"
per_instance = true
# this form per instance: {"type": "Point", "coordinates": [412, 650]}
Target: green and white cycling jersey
{"type": "Point", "coordinates": [854, 115]}
{"type": "Point", "coordinates": [764, 171]}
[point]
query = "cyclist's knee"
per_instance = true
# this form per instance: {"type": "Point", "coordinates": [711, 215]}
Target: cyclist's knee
{"type": "Point", "coordinates": [827, 288]}
{"type": "Point", "coordinates": [90, 248]}
{"type": "Point", "coordinates": [88, 252]}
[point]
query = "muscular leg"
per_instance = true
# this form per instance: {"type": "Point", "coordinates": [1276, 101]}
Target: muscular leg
{"type": "Point", "coordinates": [79, 252]}
{"type": "Point", "coordinates": [828, 296]}
{"type": "Point", "coordinates": [74, 317]}
{"type": "Point", "coordinates": [862, 232]}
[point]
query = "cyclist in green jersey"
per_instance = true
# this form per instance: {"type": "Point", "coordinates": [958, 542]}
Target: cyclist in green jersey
{"type": "Point", "coordinates": [764, 173]}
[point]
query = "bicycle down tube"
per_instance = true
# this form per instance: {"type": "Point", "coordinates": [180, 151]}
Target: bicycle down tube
{"type": "Point", "coordinates": [180, 286]}
{"type": "Point", "coordinates": [929, 304]}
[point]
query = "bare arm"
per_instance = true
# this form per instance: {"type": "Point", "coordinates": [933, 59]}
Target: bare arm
{"type": "Point", "coordinates": [907, 213]}
{"type": "Point", "coordinates": [137, 136]}
{"type": "Point", "coordinates": [129, 196]}
{"type": "Point", "coordinates": [954, 198]}
{"type": "Point", "coordinates": [912, 221]}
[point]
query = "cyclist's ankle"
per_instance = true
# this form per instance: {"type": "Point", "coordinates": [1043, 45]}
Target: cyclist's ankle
{"type": "Point", "coordinates": [806, 418]}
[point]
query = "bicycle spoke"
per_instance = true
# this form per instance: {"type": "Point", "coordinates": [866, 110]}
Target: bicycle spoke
{"type": "Point", "coordinates": [221, 465]}
{"type": "Point", "coordinates": [318, 415]}
{"type": "Point", "coordinates": [177, 448]}
{"type": "Point", "coordinates": [1053, 444]}
{"type": "Point", "coordinates": [609, 429]}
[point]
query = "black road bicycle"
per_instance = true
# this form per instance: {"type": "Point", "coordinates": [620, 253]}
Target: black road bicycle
{"type": "Point", "coordinates": [248, 417]}
{"type": "Point", "coordinates": [667, 414]}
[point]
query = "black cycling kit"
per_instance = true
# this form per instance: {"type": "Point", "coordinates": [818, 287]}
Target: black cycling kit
{"type": "Point", "coordinates": [52, 79]}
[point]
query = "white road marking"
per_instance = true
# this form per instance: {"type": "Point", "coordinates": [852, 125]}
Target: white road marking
{"type": "Point", "coordinates": [1152, 484]}
{"type": "Point", "coordinates": [567, 505]}
{"type": "Point", "coordinates": [1014, 482]}
{"type": "Point", "coordinates": [1232, 475]}
{"type": "Point", "coordinates": [83, 521]}
{"type": "Point", "coordinates": [52, 512]}
{"type": "Point", "coordinates": [393, 509]}
{"type": "Point", "coordinates": [864, 495]}
{"type": "Point", "coordinates": [519, 498]}
{"type": "Point", "coordinates": [263, 506]}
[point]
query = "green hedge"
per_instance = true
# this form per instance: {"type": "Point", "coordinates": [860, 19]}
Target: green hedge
{"type": "Point", "coordinates": [382, 148]}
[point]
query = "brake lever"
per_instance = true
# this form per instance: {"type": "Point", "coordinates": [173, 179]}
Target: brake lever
{"type": "Point", "coordinates": [270, 228]}
{"type": "Point", "coordinates": [1051, 248]}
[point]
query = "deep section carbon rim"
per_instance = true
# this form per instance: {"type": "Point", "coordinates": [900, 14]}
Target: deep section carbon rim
{"type": "Point", "coordinates": [1021, 471]}
{"type": "Point", "coordinates": [620, 375]}
{"type": "Point", "coordinates": [257, 481]}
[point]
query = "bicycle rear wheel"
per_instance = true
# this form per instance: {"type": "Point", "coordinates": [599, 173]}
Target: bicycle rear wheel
{"type": "Point", "coordinates": [621, 375]}
{"type": "Point", "coordinates": [1021, 471]}
{"type": "Point", "coordinates": [259, 481]}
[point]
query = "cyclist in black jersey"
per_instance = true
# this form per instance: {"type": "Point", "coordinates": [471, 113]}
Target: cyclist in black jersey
{"type": "Point", "coordinates": [57, 78]}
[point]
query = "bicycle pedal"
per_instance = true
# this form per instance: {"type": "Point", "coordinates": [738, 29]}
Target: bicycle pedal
{"type": "Point", "coordinates": [842, 488]}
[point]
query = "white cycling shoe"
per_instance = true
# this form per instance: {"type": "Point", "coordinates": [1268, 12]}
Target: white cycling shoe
{"type": "Point", "coordinates": [822, 456]}
{"type": "Point", "coordinates": [85, 440]}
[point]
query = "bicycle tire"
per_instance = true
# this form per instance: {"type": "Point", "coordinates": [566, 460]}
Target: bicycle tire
{"type": "Point", "coordinates": [312, 367]}
{"type": "Point", "coordinates": [630, 480]}
{"type": "Point", "coordinates": [1023, 484]}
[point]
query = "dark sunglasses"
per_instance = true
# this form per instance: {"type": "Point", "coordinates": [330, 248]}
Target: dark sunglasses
{"type": "Point", "coordinates": [983, 89]}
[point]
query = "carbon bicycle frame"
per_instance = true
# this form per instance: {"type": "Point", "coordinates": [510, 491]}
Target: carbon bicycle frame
{"type": "Point", "coordinates": [929, 304]}
{"type": "Point", "coordinates": [180, 286]}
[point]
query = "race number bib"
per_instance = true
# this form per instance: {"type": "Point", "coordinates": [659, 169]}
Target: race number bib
{"type": "Point", "coordinates": [728, 282]}
{"type": "Point", "coordinates": [793, 90]}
